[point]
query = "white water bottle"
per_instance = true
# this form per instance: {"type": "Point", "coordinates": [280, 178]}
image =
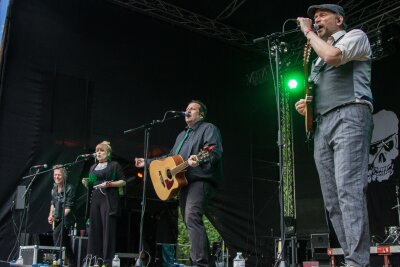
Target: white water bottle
{"type": "Point", "coordinates": [75, 231]}
{"type": "Point", "coordinates": [116, 262]}
{"type": "Point", "coordinates": [239, 261]}
{"type": "Point", "coordinates": [20, 260]}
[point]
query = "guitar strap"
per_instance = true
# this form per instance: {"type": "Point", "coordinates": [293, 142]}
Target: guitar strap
{"type": "Point", "coordinates": [320, 66]}
{"type": "Point", "coordinates": [316, 70]}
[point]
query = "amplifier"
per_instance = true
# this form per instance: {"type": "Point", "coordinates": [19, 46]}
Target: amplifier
{"type": "Point", "coordinates": [40, 254]}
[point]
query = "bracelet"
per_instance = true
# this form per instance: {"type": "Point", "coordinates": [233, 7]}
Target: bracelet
{"type": "Point", "coordinates": [306, 31]}
{"type": "Point", "coordinates": [109, 184]}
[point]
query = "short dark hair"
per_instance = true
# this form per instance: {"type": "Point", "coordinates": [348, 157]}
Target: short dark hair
{"type": "Point", "coordinates": [203, 107]}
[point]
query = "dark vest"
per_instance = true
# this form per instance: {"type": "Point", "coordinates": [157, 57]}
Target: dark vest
{"type": "Point", "coordinates": [336, 86]}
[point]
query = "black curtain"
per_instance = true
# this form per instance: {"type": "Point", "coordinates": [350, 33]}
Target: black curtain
{"type": "Point", "coordinates": [79, 72]}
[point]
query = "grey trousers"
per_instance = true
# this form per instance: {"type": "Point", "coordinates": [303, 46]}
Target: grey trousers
{"type": "Point", "coordinates": [193, 199]}
{"type": "Point", "coordinates": [341, 150]}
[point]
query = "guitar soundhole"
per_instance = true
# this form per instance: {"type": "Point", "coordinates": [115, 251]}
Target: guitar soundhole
{"type": "Point", "coordinates": [169, 175]}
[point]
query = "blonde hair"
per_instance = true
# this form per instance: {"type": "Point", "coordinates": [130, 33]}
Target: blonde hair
{"type": "Point", "coordinates": [62, 169]}
{"type": "Point", "coordinates": [105, 145]}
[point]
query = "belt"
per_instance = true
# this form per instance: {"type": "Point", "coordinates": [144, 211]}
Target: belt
{"type": "Point", "coordinates": [357, 101]}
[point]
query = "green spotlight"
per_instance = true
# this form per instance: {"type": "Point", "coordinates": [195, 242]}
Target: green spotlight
{"type": "Point", "coordinates": [293, 84]}
{"type": "Point", "coordinates": [293, 80]}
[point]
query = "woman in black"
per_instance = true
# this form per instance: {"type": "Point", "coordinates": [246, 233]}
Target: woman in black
{"type": "Point", "coordinates": [107, 178]}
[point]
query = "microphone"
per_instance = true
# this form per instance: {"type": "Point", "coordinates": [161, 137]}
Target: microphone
{"type": "Point", "coordinates": [181, 113]}
{"type": "Point", "coordinates": [87, 155]}
{"type": "Point", "coordinates": [314, 27]}
{"type": "Point", "coordinates": [41, 166]}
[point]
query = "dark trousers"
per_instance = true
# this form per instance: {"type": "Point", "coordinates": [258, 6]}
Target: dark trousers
{"type": "Point", "coordinates": [102, 233]}
{"type": "Point", "coordinates": [193, 199]}
{"type": "Point", "coordinates": [66, 241]}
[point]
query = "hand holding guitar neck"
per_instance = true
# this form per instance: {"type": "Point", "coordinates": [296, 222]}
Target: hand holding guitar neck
{"type": "Point", "coordinates": [193, 161]}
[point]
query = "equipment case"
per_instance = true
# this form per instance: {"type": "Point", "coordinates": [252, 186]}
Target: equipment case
{"type": "Point", "coordinates": [40, 254]}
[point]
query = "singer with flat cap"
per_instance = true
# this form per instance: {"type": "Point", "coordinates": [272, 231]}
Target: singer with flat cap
{"type": "Point", "coordinates": [202, 177]}
{"type": "Point", "coordinates": [343, 124]}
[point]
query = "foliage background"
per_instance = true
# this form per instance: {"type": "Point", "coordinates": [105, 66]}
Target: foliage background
{"type": "Point", "coordinates": [183, 248]}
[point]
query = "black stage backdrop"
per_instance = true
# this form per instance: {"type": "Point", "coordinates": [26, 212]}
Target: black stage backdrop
{"type": "Point", "coordinates": [79, 72]}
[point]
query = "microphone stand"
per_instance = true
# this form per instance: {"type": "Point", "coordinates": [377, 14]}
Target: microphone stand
{"type": "Point", "coordinates": [275, 40]}
{"type": "Point", "coordinates": [27, 193]}
{"type": "Point", "coordinates": [65, 166]}
{"type": "Point", "coordinates": [147, 128]}
{"type": "Point", "coordinates": [63, 214]}
{"type": "Point", "coordinates": [398, 203]}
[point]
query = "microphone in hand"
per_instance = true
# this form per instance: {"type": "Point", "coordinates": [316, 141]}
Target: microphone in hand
{"type": "Point", "coordinates": [314, 27]}
{"type": "Point", "coordinates": [97, 186]}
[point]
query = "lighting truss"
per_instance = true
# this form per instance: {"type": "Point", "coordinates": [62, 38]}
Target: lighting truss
{"type": "Point", "coordinates": [373, 19]}
{"type": "Point", "coordinates": [191, 21]}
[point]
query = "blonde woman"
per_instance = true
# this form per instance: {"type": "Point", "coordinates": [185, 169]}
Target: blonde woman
{"type": "Point", "coordinates": [106, 177]}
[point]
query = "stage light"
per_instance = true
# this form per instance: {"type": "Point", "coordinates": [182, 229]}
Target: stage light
{"type": "Point", "coordinates": [293, 84]}
{"type": "Point", "coordinates": [294, 81]}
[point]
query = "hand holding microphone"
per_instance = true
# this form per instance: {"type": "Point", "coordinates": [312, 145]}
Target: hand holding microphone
{"type": "Point", "coordinates": [105, 184]}
{"type": "Point", "coordinates": [98, 186]}
{"type": "Point", "coordinates": [306, 25]}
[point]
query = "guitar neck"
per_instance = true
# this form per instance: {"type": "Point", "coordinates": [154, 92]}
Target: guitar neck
{"type": "Point", "coordinates": [199, 157]}
{"type": "Point", "coordinates": [180, 168]}
{"type": "Point", "coordinates": [306, 72]}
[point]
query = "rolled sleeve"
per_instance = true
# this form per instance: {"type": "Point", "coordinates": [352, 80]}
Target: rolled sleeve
{"type": "Point", "coordinates": [354, 46]}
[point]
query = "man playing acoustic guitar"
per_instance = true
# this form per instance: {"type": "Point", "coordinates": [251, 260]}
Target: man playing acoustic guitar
{"type": "Point", "coordinates": [201, 176]}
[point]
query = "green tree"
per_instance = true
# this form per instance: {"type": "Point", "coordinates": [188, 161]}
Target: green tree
{"type": "Point", "coordinates": [183, 248]}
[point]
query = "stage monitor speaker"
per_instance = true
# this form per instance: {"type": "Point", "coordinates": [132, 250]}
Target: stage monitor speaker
{"type": "Point", "coordinates": [319, 241]}
{"type": "Point", "coordinates": [10, 264]}
{"type": "Point", "coordinates": [319, 246]}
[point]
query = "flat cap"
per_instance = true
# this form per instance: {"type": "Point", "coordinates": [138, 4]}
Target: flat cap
{"type": "Point", "coordinates": [330, 7]}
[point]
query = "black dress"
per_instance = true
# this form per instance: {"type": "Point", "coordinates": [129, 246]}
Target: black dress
{"type": "Point", "coordinates": [104, 209]}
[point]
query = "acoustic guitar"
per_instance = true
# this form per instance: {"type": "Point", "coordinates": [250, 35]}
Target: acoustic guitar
{"type": "Point", "coordinates": [309, 114]}
{"type": "Point", "coordinates": [168, 174]}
